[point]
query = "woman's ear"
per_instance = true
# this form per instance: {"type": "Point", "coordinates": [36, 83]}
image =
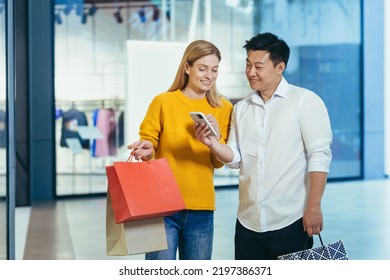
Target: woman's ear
{"type": "Point", "coordinates": [187, 68]}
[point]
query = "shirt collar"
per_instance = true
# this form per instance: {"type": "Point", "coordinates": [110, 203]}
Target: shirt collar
{"type": "Point", "coordinates": [281, 91]}
{"type": "Point", "coordinates": [282, 88]}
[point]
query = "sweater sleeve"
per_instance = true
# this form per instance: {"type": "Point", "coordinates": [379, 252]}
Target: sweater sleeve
{"type": "Point", "coordinates": [151, 126]}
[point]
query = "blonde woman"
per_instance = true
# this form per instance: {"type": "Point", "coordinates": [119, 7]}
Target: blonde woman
{"type": "Point", "coordinates": [167, 131]}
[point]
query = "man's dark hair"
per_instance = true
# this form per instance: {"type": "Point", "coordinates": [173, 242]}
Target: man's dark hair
{"type": "Point", "coordinates": [277, 48]}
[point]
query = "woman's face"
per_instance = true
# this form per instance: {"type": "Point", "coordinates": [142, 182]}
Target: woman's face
{"type": "Point", "coordinates": [202, 74]}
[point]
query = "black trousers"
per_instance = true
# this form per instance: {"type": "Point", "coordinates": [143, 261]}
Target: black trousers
{"type": "Point", "coordinates": [251, 245]}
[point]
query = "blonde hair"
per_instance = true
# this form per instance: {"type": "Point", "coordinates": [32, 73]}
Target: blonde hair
{"type": "Point", "coordinates": [194, 51]}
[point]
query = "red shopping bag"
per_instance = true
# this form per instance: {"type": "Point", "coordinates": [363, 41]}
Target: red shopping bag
{"type": "Point", "coordinates": [143, 190]}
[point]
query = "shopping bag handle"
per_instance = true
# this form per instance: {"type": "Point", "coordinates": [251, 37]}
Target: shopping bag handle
{"type": "Point", "coordinates": [130, 158]}
{"type": "Point", "coordinates": [301, 253]}
{"type": "Point", "coordinates": [322, 243]}
{"type": "Point", "coordinates": [312, 253]}
{"type": "Point", "coordinates": [307, 239]}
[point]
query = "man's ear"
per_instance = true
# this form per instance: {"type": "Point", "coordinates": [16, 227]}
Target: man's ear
{"type": "Point", "coordinates": [280, 67]}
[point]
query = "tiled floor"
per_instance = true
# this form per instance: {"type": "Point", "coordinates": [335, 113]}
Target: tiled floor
{"type": "Point", "coordinates": [356, 212]}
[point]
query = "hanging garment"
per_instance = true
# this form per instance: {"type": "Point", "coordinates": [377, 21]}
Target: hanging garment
{"type": "Point", "coordinates": [93, 142]}
{"type": "Point", "coordinates": [58, 113]}
{"type": "Point", "coordinates": [106, 123]}
{"type": "Point", "coordinates": [71, 119]}
{"type": "Point", "coordinates": [121, 130]}
{"type": "Point", "coordinates": [3, 129]}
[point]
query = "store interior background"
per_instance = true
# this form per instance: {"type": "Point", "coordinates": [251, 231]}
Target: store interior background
{"type": "Point", "coordinates": [97, 65]}
{"type": "Point", "coordinates": [117, 55]}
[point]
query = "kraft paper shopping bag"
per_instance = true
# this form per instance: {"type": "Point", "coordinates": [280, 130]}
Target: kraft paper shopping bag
{"type": "Point", "coordinates": [143, 190]}
{"type": "Point", "coordinates": [133, 237]}
{"type": "Point", "coordinates": [145, 236]}
{"type": "Point", "coordinates": [115, 234]}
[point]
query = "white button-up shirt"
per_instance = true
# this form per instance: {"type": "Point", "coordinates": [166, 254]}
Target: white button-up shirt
{"type": "Point", "coordinates": [275, 144]}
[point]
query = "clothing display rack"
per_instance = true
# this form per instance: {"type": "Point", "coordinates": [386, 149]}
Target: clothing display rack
{"type": "Point", "coordinates": [88, 108]}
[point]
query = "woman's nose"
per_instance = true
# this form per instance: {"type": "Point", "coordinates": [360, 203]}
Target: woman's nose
{"type": "Point", "coordinates": [208, 74]}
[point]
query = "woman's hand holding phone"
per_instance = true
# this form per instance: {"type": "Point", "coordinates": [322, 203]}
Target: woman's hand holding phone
{"type": "Point", "coordinates": [206, 128]}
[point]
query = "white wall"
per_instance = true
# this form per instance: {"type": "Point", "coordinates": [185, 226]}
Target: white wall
{"type": "Point", "coordinates": [151, 69]}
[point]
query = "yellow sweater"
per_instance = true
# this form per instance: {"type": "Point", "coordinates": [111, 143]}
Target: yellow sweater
{"type": "Point", "coordinates": [168, 125]}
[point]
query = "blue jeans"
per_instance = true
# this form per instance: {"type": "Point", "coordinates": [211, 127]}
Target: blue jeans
{"type": "Point", "coordinates": [189, 231]}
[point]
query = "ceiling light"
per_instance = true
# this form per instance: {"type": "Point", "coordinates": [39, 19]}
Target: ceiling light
{"type": "Point", "coordinates": [156, 13]}
{"type": "Point", "coordinates": [84, 18]}
{"type": "Point", "coordinates": [57, 18]}
{"type": "Point", "coordinates": [68, 7]}
{"type": "Point", "coordinates": [79, 9]}
{"type": "Point", "coordinates": [92, 10]}
{"type": "Point", "coordinates": [141, 13]}
{"type": "Point", "coordinates": [118, 16]}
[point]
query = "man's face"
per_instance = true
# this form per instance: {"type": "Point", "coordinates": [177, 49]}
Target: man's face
{"type": "Point", "coordinates": [262, 75]}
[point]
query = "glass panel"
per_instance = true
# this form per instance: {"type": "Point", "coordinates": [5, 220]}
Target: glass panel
{"type": "Point", "coordinates": [91, 64]}
{"type": "Point", "coordinates": [3, 138]}
{"type": "Point", "coordinates": [325, 58]}
{"type": "Point", "coordinates": [93, 77]}
{"type": "Point", "coordinates": [90, 67]}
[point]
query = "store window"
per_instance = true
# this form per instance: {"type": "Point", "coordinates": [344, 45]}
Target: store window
{"type": "Point", "coordinates": [3, 137]}
{"type": "Point", "coordinates": [91, 75]}
{"type": "Point", "coordinates": [326, 58]}
{"type": "Point", "coordinates": [92, 62]}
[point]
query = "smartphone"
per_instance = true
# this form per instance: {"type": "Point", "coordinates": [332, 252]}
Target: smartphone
{"type": "Point", "coordinates": [199, 117]}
